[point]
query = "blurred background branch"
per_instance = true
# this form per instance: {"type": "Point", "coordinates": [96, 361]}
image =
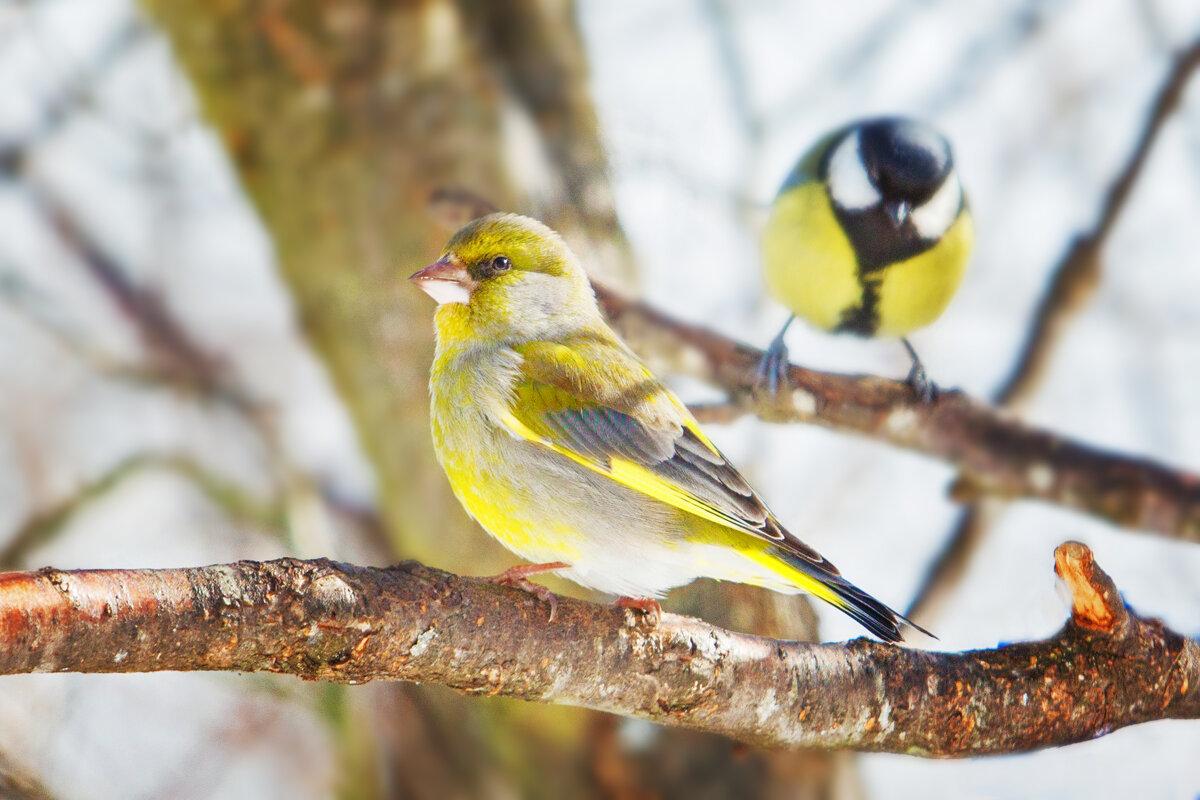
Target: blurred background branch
{"type": "Point", "coordinates": [1077, 275]}
{"type": "Point", "coordinates": [1073, 281]}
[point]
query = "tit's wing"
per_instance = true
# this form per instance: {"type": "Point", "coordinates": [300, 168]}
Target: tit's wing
{"type": "Point", "coordinates": [590, 399]}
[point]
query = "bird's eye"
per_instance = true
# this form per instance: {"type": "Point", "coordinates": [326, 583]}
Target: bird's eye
{"type": "Point", "coordinates": [500, 264]}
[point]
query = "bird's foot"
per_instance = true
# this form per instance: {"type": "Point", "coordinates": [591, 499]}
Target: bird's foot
{"type": "Point", "coordinates": [926, 390]}
{"type": "Point", "coordinates": [518, 578]}
{"type": "Point", "coordinates": [773, 368]}
{"type": "Point", "coordinates": [648, 606]}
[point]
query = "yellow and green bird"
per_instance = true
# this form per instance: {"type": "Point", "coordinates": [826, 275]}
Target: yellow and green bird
{"type": "Point", "coordinates": [870, 234]}
{"type": "Point", "coordinates": [567, 449]}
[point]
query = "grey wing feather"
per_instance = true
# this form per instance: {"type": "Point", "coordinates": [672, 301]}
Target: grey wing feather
{"type": "Point", "coordinates": [678, 455]}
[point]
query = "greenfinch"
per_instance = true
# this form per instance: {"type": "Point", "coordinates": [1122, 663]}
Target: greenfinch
{"type": "Point", "coordinates": [870, 234]}
{"type": "Point", "coordinates": [565, 447]}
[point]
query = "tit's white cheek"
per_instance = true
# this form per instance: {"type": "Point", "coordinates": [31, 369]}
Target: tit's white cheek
{"type": "Point", "coordinates": [935, 216]}
{"type": "Point", "coordinates": [445, 291]}
{"type": "Point", "coordinates": [849, 184]}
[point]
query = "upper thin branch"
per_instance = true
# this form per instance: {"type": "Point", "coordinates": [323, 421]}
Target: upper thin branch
{"type": "Point", "coordinates": [996, 454]}
{"type": "Point", "coordinates": [1106, 669]}
{"type": "Point", "coordinates": [1078, 273]}
{"type": "Point", "coordinates": [1072, 282]}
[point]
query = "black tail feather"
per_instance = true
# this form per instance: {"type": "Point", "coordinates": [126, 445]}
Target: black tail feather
{"type": "Point", "coordinates": [880, 620]}
{"type": "Point", "coordinates": [873, 615]}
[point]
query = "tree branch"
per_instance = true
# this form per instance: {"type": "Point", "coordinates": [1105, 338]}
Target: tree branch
{"type": "Point", "coordinates": [952, 563]}
{"type": "Point", "coordinates": [997, 454]}
{"type": "Point", "coordinates": [45, 523]}
{"type": "Point", "coordinates": [1107, 668]}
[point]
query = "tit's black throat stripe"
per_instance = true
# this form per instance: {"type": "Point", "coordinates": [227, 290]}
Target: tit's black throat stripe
{"type": "Point", "coordinates": [877, 244]}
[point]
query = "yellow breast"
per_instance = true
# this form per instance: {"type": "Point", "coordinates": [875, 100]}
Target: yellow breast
{"type": "Point", "coordinates": [811, 267]}
{"type": "Point", "coordinates": [486, 468]}
{"type": "Point", "coordinates": [915, 292]}
{"type": "Point", "coordinates": [810, 264]}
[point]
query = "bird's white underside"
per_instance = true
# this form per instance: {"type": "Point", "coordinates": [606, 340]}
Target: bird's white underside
{"type": "Point", "coordinates": [651, 569]}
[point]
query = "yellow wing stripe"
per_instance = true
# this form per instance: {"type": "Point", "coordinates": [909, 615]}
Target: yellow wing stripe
{"type": "Point", "coordinates": [634, 476]}
{"type": "Point", "coordinates": [807, 582]}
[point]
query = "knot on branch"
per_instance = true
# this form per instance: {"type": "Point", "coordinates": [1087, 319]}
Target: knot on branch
{"type": "Point", "coordinates": [1096, 603]}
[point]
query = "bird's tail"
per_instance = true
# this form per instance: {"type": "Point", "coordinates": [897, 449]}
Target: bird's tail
{"type": "Point", "coordinates": [821, 581]}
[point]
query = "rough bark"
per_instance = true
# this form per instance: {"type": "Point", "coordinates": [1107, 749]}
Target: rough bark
{"type": "Point", "coordinates": [321, 620]}
{"type": "Point", "coordinates": [997, 454]}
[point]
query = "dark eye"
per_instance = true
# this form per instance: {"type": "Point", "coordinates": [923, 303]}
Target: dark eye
{"type": "Point", "coordinates": [500, 264]}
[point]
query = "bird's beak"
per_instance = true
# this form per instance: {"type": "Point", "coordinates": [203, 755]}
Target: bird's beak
{"type": "Point", "coordinates": [898, 212]}
{"type": "Point", "coordinates": [445, 281]}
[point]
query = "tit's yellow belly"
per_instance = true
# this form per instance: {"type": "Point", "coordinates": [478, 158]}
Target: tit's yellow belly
{"type": "Point", "coordinates": [812, 269]}
{"type": "Point", "coordinates": [810, 264]}
{"type": "Point", "coordinates": [914, 292]}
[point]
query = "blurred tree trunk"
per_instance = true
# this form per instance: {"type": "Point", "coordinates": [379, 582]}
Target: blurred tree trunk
{"type": "Point", "coordinates": [342, 117]}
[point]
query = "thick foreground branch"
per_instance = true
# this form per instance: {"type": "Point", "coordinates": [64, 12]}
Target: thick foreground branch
{"type": "Point", "coordinates": [322, 620]}
{"type": "Point", "coordinates": [997, 454]}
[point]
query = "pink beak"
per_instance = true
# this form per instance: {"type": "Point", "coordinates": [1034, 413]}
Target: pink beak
{"type": "Point", "coordinates": [445, 281]}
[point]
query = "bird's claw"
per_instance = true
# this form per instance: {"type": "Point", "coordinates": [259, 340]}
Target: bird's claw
{"type": "Point", "coordinates": [538, 591]}
{"type": "Point", "coordinates": [518, 578]}
{"type": "Point", "coordinates": [926, 390]}
{"type": "Point", "coordinates": [773, 368]}
{"type": "Point", "coordinates": [648, 607]}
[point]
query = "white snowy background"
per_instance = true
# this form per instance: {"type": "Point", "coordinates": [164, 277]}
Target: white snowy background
{"type": "Point", "coordinates": [703, 106]}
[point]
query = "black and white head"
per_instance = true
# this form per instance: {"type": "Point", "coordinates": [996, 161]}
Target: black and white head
{"type": "Point", "coordinates": [892, 180]}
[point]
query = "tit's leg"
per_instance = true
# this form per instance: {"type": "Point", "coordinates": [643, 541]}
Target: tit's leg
{"type": "Point", "coordinates": [518, 578]}
{"type": "Point", "coordinates": [926, 389]}
{"type": "Point", "coordinates": [647, 605]}
{"type": "Point", "coordinates": [774, 364]}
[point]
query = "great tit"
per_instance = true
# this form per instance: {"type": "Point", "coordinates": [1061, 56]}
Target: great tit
{"type": "Point", "coordinates": [870, 234]}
